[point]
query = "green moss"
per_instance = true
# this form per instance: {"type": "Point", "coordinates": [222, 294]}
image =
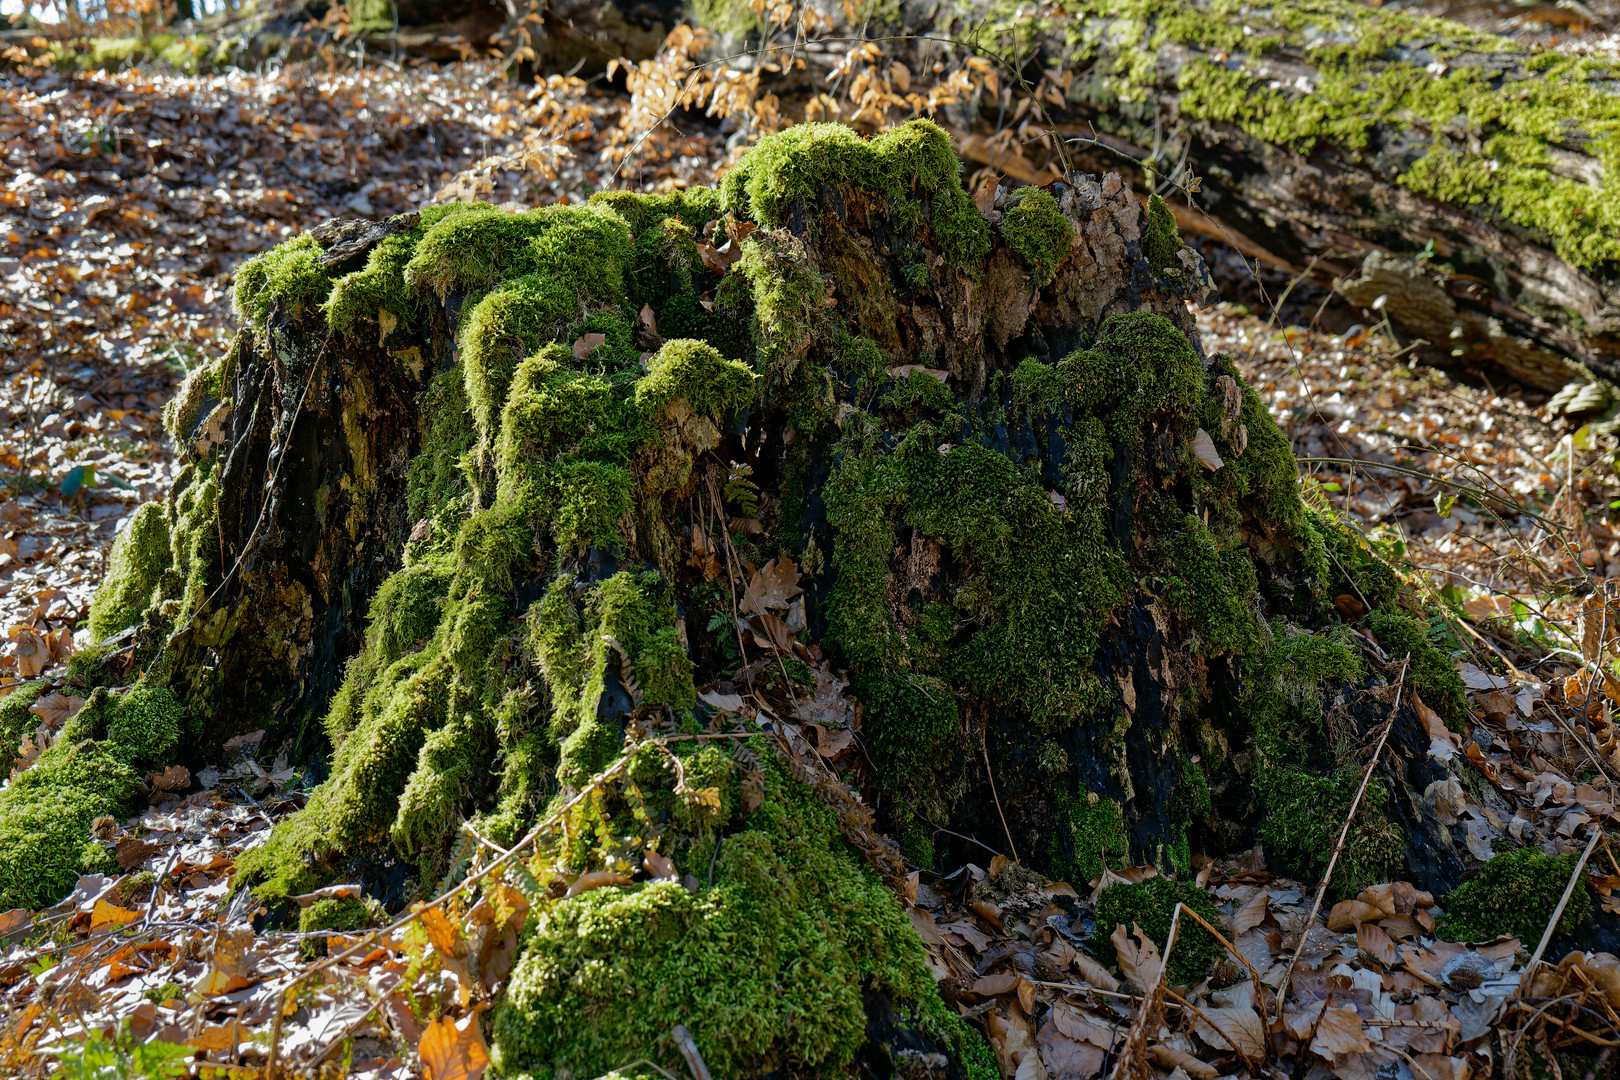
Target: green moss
{"type": "Point", "coordinates": [1037, 387]}
{"type": "Point", "coordinates": [1432, 674]}
{"type": "Point", "coordinates": [1283, 686]}
{"type": "Point", "coordinates": [377, 294]}
{"type": "Point", "coordinates": [288, 278]}
{"type": "Point", "coordinates": [1151, 904]}
{"type": "Point", "coordinates": [45, 816]}
{"type": "Point", "coordinates": [1215, 586]}
{"type": "Point", "coordinates": [146, 726]}
{"type": "Point", "coordinates": [766, 968]}
{"type": "Point", "coordinates": [347, 913]}
{"type": "Point", "coordinates": [696, 374]}
{"type": "Point", "coordinates": [914, 162]}
{"type": "Point", "coordinates": [1161, 240]}
{"type": "Point", "coordinates": [1037, 232]}
{"type": "Point", "coordinates": [15, 718]}
{"type": "Point", "coordinates": [139, 556]}
{"type": "Point", "coordinates": [1097, 833]}
{"type": "Point", "coordinates": [1515, 893]}
{"type": "Point", "coordinates": [1303, 817]}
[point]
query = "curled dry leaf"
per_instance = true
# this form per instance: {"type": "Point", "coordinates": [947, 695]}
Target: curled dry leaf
{"type": "Point", "coordinates": [1339, 1031]}
{"type": "Point", "coordinates": [1348, 914]}
{"type": "Point", "coordinates": [1168, 1057]}
{"type": "Point", "coordinates": [659, 866]}
{"type": "Point", "coordinates": [1138, 959]}
{"type": "Point", "coordinates": [1203, 448]}
{"type": "Point", "coordinates": [1252, 913]}
{"type": "Point", "coordinates": [29, 651]}
{"type": "Point", "coordinates": [583, 347]}
{"type": "Point", "coordinates": [1095, 974]}
{"type": "Point", "coordinates": [596, 879]}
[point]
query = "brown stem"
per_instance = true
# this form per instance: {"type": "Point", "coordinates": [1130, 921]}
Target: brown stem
{"type": "Point", "coordinates": [1012, 847]}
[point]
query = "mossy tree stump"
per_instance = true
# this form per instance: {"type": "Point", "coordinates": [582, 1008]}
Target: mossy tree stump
{"type": "Point", "coordinates": [444, 529]}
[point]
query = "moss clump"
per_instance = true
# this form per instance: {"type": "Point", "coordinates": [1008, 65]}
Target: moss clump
{"type": "Point", "coordinates": [139, 557]}
{"type": "Point", "coordinates": [1515, 893]}
{"type": "Point", "coordinates": [1432, 674]}
{"type": "Point", "coordinates": [345, 913]}
{"type": "Point", "coordinates": [1303, 817]}
{"type": "Point", "coordinates": [1038, 232]}
{"type": "Point", "coordinates": [1150, 905]}
{"type": "Point", "coordinates": [1283, 686]}
{"type": "Point", "coordinates": [15, 718]}
{"type": "Point", "coordinates": [913, 167]}
{"type": "Point", "coordinates": [145, 725]}
{"type": "Point", "coordinates": [1097, 831]}
{"type": "Point", "coordinates": [1215, 585]}
{"type": "Point", "coordinates": [1161, 240]}
{"type": "Point", "coordinates": [45, 816]}
{"type": "Point", "coordinates": [288, 277]}
{"type": "Point", "coordinates": [766, 968]}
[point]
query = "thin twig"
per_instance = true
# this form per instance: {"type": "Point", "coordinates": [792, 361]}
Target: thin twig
{"type": "Point", "coordinates": [989, 776]}
{"type": "Point", "coordinates": [1558, 912]}
{"type": "Point", "coordinates": [1338, 848]}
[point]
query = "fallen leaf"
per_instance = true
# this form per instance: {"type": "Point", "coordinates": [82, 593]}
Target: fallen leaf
{"type": "Point", "coordinates": [659, 866]}
{"type": "Point", "coordinates": [1168, 1057]}
{"type": "Point", "coordinates": [1203, 448]}
{"type": "Point", "coordinates": [1095, 974]}
{"type": "Point", "coordinates": [987, 911]}
{"type": "Point", "coordinates": [1348, 914]}
{"type": "Point", "coordinates": [1139, 963]}
{"type": "Point", "coordinates": [1375, 943]}
{"type": "Point", "coordinates": [56, 708]}
{"type": "Point", "coordinates": [1239, 1028]}
{"type": "Point", "coordinates": [107, 915]}
{"type": "Point", "coordinates": [583, 347]}
{"type": "Point", "coordinates": [1252, 913]}
{"type": "Point", "coordinates": [1339, 1031]}
{"type": "Point", "coordinates": [29, 650]}
{"type": "Point", "coordinates": [901, 371]}
{"type": "Point", "coordinates": [174, 778]}
{"type": "Point", "coordinates": [454, 1051]}
{"type": "Point", "coordinates": [1066, 1057]}
{"type": "Point", "coordinates": [994, 985]}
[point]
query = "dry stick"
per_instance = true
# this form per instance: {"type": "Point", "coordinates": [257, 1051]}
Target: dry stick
{"type": "Point", "coordinates": [1558, 912]}
{"type": "Point", "coordinates": [1155, 993]}
{"type": "Point", "coordinates": [988, 776]}
{"type": "Point", "coordinates": [731, 584]}
{"type": "Point", "coordinates": [1338, 848]}
{"type": "Point", "coordinates": [1259, 987]}
{"type": "Point", "coordinates": [689, 1050]}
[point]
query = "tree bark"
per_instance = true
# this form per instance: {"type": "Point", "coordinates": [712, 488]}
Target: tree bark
{"type": "Point", "coordinates": [701, 529]}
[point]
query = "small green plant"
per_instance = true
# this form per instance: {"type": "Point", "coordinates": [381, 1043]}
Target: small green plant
{"type": "Point", "coordinates": [1150, 904]}
{"type": "Point", "coordinates": [1514, 893]}
{"type": "Point", "coordinates": [123, 1056]}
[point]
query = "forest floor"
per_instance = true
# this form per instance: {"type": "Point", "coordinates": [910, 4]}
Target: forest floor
{"type": "Point", "coordinates": [126, 203]}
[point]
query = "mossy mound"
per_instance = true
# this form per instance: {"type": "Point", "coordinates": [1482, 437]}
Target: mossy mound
{"type": "Point", "coordinates": [976, 444]}
{"type": "Point", "coordinates": [92, 770]}
{"type": "Point", "coordinates": [1515, 893]}
{"type": "Point", "coordinates": [1151, 905]}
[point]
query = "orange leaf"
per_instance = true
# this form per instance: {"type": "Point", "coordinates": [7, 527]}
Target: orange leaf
{"type": "Point", "coordinates": [107, 915]}
{"type": "Point", "coordinates": [454, 1052]}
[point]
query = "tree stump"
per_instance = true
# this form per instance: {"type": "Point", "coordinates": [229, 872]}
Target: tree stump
{"type": "Point", "coordinates": [765, 544]}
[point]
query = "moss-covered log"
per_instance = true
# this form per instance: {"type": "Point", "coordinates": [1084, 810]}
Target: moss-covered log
{"type": "Point", "coordinates": [460, 520]}
{"type": "Point", "coordinates": [1469, 179]}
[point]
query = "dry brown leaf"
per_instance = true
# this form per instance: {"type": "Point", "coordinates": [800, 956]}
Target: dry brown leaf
{"type": "Point", "coordinates": [994, 985]}
{"type": "Point", "coordinates": [659, 866]}
{"type": "Point", "coordinates": [987, 911]}
{"type": "Point", "coordinates": [453, 1051]}
{"type": "Point", "coordinates": [1168, 1057]}
{"type": "Point", "coordinates": [56, 708]}
{"type": "Point", "coordinates": [1067, 1058]}
{"type": "Point", "coordinates": [29, 650]}
{"type": "Point", "coordinates": [597, 879]}
{"type": "Point", "coordinates": [1252, 913]}
{"type": "Point", "coordinates": [14, 920]}
{"type": "Point", "coordinates": [1239, 1028]}
{"type": "Point", "coordinates": [772, 586]}
{"type": "Point", "coordinates": [901, 371]}
{"type": "Point", "coordinates": [1203, 448]}
{"type": "Point", "coordinates": [174, 778]}
{"type": "Point", "coordinates": [1339, 1031]}
{"type": "Point", "coordinates": [220, 1037]}
{"type": "Point", "coordinates": [1375, 943]}
{"type": "Point", "coordinates": [1095, 974]}
{"type": "Point", "coordinates": [1138, 962]}
{"type": "Point", "coordinates": [1077, 1024]}
{"type": "Point", "coordinates": [927, 929]}
{"type": "Point", "coordinates": [1348, 914]}
{"type": "Point", "coordinates": [583, 347]}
